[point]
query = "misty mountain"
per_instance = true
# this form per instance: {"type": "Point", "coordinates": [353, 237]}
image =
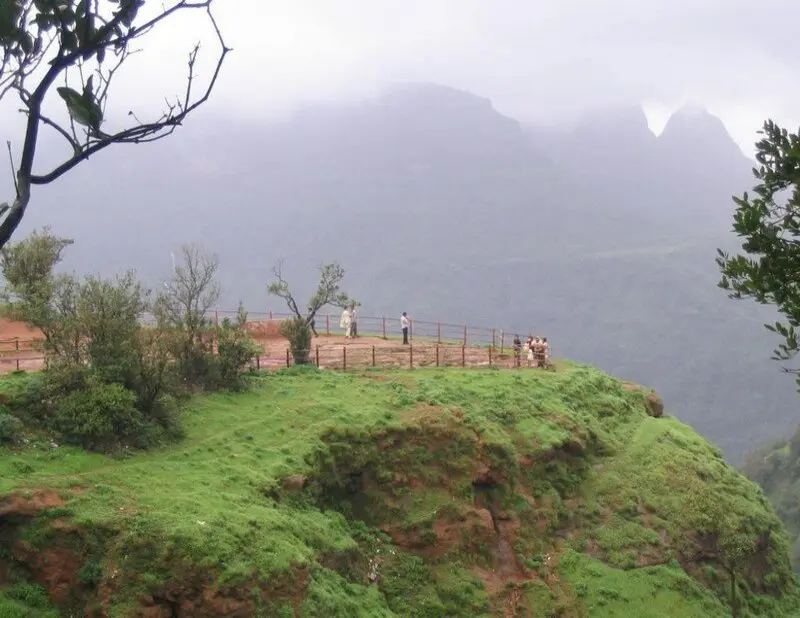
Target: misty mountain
{"type": "Point", "coordinates": [601, 236]}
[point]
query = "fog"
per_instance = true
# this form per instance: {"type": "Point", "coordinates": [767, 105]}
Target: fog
{"type": "Point", "coordinates": [540, 62]}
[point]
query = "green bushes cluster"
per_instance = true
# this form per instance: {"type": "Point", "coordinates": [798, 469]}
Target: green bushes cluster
{"type": "Point", "coordinates": [10, 428]}
{"type": "Point", "coordinates": [112, 382]}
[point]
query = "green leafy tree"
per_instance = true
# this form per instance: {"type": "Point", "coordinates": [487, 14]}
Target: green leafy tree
{"type": "Point", "coordinates": [769, 222]}
{"type": "Point", "coordinates": [298, 329]}
{"type": "Point", "coordinates": [31, 286]}
{"type": "Point", "coordinates": [108, 321]}
{"type": "Point", "coordinates": [82, 45]}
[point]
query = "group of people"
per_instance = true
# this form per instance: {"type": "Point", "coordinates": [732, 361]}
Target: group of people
{"type": "Point", "coordinates": [349, 322]}
{"type": "Point", "coordinates": [538, 351]}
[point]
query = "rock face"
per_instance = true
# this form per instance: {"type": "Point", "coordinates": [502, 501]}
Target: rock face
{"type": "Point", "coordinates": [468, 494]}
{"type": "Point", "coordinates": [655, 406]}
{"type": "Point", "coordinates": [653, 403]}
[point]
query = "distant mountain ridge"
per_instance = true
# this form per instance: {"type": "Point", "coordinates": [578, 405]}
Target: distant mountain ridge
{"type": "Point", "coordinates": [601, 235]}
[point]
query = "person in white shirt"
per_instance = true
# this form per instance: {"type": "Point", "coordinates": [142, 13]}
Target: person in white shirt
{"type": "Point", "coordinates": [405, 323]}
{"type": "Point", "coordinates": [353, 321]}
{"type": "Point", "coordinates": [346, 323]}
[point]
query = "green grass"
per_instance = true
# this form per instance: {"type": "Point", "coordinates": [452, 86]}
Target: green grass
{"type": "Point", "coordinates": [653, 592]}
{"type": "Point", "coordinates": [571, 455]}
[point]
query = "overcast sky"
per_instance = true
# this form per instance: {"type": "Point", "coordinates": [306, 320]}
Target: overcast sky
{"type": "Point", "coordinates": [538, 61]}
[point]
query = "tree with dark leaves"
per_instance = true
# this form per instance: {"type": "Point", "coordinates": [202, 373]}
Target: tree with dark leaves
{"type": "Point", "coordinates": [75, 49]}
{"type": "Point", "coordinates": [769, 222]}
{"type": "Point", "coordinates": [298, 329]}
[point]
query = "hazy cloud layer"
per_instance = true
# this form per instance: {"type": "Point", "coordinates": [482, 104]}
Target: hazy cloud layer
{"type": "Point", "coordinates": [538, 61]}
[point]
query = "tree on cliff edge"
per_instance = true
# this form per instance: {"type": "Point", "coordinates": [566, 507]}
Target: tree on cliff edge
{"type": "Point", "coordinates": [74, 49]}
{"type": "Point", "coordinates": [298, 329]}
{"type": "Point", "coordinates": [769, 222]}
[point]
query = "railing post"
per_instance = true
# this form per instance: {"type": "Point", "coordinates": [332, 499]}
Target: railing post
{"type": "Point", "coordinates": [437, 354]}
{"type": "Point", "coordinates": [287, 357]}
{"type": "Point", "coordinates": [502, 341]}
{"type": "Point", "coordinates": [463, 356]}
{"type": "Point", "coordinates": [465, 334]}
{"type": "Point", "coordinates": [258, 361]}
{"type": "Point", "coordinates": [17, 346]}
{"type": "Point", "coordinates": [384, 327]}
{"type": "Point", "coordinates": [438, 332]}
{"type": "Point", "coordinates": [410, 356]}
{"type": "Point", "coordinates": [328, 324]}
{"type": "Point", "coordinates": [493, 338]}
{"type": "Point", "coordinates": [344, 358]}
{"type": "Point", "coordinates": [490, 356]}
{"type": "Point", "coordinates": [317, 351]}
{"type": "Point", "coordinates": [373, 356]}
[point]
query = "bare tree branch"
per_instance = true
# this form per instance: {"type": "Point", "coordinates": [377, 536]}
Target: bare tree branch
{"type": "Point", "coordinates": [327, 293]}
{"type": "Point", "coordinates": [280, 288]}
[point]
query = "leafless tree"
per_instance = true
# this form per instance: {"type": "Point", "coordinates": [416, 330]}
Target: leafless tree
{"type": "Point", "coordinates": [83, 44]}
{"type": "Point", "coordinates": [190, 293]}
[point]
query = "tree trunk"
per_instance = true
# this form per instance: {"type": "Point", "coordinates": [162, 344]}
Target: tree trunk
{"type": "Point", "coordinates": [17, 210]}
{"type": "Point", "coordinates": [734, 599]}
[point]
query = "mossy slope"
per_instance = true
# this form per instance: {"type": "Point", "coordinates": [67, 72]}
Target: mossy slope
{"type": "Point", "coordinates": [424, 493]}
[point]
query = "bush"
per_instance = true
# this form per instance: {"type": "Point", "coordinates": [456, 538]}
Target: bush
{"type": "Point", "coordinates": [91, 573]}
{"type": "Point", "coordinates": [75, 402]}
{"type": "Point", "coordinates": [101, 417]}
{"type": "Point", "coordinates": [10, 428]}
{"type": "Point", "coordinates": [32, 595]}
{"type": "Point", "coordinates": [235, 351]}
{"type": "Point", "coordinates": [298, 332]}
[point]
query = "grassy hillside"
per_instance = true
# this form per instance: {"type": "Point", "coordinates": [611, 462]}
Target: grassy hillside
{"type": "Point", "coordinates": [422, 493]}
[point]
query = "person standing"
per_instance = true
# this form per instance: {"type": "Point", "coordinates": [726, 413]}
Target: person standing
{"type": "Point", "coordinates": [353, 321]}
{"type": "Point", "coordinates": [405, 324]}
{"type": "Point", "coordinates": [346, 323]}
{"type": "Point", "coordinates": [517, 350]}
{"type": "Point", "coordinates": [312, 323]}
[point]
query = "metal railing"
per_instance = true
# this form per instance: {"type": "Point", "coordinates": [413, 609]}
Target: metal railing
{"type": "Point", "coordinates": [431, 344]}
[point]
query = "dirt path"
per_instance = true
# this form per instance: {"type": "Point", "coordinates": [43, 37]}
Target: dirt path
{"type": "Point", "coordinates": [335, 352]}
{"type": "Point", "coordinates": [20, 350]}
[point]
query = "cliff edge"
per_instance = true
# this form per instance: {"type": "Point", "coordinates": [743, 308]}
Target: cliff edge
{"type": "Point", "coordinates": [420, 493]}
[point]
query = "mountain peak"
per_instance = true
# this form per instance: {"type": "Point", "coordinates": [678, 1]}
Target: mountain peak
{"type": "Point", "coordinates": [694, 123]}
{"type": "Point", "coordinates": [427, 93]}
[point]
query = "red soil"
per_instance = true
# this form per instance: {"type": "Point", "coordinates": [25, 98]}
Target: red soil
{"type": "Point", "coordinates": [19, 350]}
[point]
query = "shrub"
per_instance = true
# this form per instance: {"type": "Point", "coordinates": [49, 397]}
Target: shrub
{"type": "Point", "coordinates": [235, 350]}
{"type": "Point", "coordinates": [10, 428]}
{"type": "Point", "coordinates": [91, 573]}
{"type": "Point", "coordinates": [52, 385]}
{"type": "Point", "coordinates": [32, 595]}
{"type": "Point", "coordinates": [298, 332]}
{"type": "Point", "coordinates": [101, 417]}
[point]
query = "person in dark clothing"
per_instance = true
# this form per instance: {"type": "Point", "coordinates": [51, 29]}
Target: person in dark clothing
{"type": "Point", "coordinates": [517, 350]}
{"type": "Point", "coordinates": [312, 323]}
{"type": "Point", "coordinates": [405, 323]}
